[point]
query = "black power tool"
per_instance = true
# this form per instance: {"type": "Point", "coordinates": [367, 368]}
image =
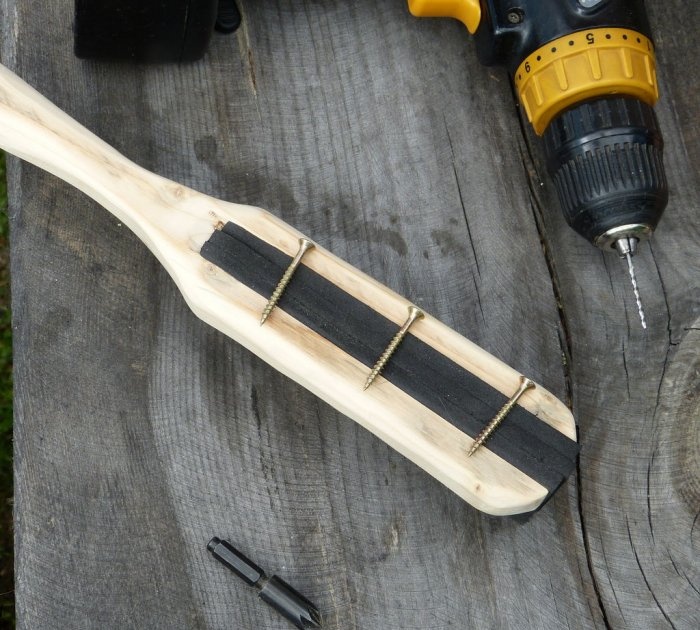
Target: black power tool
{"type": "Point", "coordinates": [585, 73]}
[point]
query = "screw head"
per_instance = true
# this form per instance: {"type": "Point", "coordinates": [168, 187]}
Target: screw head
{"type": "Point", "coordinates": [515, 16]}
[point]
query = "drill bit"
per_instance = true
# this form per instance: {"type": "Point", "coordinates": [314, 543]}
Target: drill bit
{"type": "Point", "coordinates": [626, 247]}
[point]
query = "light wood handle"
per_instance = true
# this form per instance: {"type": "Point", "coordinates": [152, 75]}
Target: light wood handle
{"type": "Point", "coordinates": [175, 221]}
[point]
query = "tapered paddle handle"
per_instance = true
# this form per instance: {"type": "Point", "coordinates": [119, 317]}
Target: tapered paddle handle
{"type": "Point", "coordinates": [332, 324]}
{"type": "Point", "coordinates": [36, 130]}
{"type": "Point", "coordinates": [33, 128]}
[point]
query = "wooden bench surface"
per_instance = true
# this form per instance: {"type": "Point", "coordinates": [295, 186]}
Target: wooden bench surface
{"type": "Point", "coordinates": [140, 432]}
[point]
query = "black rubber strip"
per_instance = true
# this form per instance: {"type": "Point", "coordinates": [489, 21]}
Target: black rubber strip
{"type": "Point", "coordinates": [540, 451]}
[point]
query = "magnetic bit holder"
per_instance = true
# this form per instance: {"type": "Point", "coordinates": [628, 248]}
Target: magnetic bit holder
{"type": "Point", "coordinates": [287, 601]}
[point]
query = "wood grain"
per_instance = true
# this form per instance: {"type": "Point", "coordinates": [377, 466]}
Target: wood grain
{"type": "Point", "coordinates": [174, 221]}
{"type": "Point", "coordinates": [142, 432]}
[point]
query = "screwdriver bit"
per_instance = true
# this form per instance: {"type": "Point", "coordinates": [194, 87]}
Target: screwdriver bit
{"type": "Point", "coordinates": [274, 590]}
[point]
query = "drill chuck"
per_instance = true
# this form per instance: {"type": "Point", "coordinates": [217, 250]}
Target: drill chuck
{"type": "Point", "coordinates": [605, 158]}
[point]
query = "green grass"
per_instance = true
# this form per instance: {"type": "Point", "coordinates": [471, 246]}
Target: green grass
{"type": "Point", "coordinates": [6, 542]}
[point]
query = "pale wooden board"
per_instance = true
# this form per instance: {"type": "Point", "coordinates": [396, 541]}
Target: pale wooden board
{"type": "Point", "coordinates": [174, 221]}
{"type": "Point", "coordinates": [141, 432]}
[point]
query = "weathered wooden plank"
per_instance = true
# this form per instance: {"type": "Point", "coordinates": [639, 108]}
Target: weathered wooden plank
{"type": "Point", "coordinates": [141, 432]}
{"type": "Point", "coordinates": [635, 393]}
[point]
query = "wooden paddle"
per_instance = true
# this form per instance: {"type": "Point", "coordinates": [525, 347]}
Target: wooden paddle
{"type": "Point", "coordinates": [332, 323]}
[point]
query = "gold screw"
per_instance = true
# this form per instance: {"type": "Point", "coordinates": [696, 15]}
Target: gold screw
{"type": "Point", "coordinates": [414, 313]}
{"type": "Point", "coordinates": [304, 246]}
{"type": "Point", "coordinates": [525, 384]}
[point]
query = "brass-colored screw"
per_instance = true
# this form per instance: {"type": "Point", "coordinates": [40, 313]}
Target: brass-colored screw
{"type": "Point", "coordinates": [304, 246]}
{"type": "Point", "coordinates": [414, 313]}
{"type": "Point", "coordinates": [525, 384]}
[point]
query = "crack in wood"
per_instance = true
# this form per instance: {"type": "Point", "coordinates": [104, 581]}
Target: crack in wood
{"type": "Point", "coordinates": [627, 374]}
{"type": "Point", "coordinates": [671, 344]}
{"type": "Point", "coordinates": [644, 577]}
{"type": "Point", "coordinates": [682, 573]}
{"type": "Point", "coordinates": [461, 201]}
{"type": "Point", "coordinates": [528, 162]}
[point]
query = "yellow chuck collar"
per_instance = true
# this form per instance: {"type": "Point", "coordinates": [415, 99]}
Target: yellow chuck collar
{"type": "Point", "coordinates": [585, 65]}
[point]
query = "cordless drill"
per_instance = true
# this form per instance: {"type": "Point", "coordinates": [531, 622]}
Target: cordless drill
{"type": "Point", "coordinates": [585, 73]}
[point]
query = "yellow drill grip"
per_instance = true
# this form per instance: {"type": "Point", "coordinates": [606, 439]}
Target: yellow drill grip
{"type": "Point", "coordinates": [466, 11]}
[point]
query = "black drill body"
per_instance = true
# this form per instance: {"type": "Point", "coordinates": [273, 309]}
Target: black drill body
{"type": "Point", "coordinates": [604, 154]}
{"type": "Point", "coordinates": [502, 41]}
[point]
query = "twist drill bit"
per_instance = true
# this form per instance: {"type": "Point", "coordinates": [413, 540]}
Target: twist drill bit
{"type": "Point", "coordinates": [414, 313]}
{"type": "Point", "coordinates": [291, 604]}
{"type": "Point", "coordinates": [626, 247]}
{"type": "Point", "coordinates": [525, 384]}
